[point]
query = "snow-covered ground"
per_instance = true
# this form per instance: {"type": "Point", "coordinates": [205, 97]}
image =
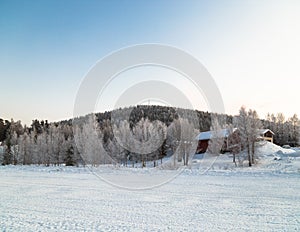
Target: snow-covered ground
{"type": "Point", "coordinates": [262, 198]}
{"type": "Point", "coordinates": [272, 158]}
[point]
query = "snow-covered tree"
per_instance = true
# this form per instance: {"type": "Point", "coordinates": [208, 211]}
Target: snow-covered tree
{"type": "Point", "coordinates": [89, 142]}
{"type": "Point", "coordinates": [248, 124]}
{"type": "Point", "coordinates": [173, 139]}
{"type": "Point", "coordinates": [123, 140]}
{"type": "Point", "coordinates": [281, 132]}
{"type": "Point", "coordinates": [24, 147]}
{"type": "Point", "coordinates": [294, 133]}
{"type": "Point", "coordinates": [70, 157]}
{"type": "Point", "coordinates": [181, 138]}
{"type": "Point", "coordinates": [216, 142]}
{"type": "Point", "coordinates": [160, 135]}
{"type": "Point", "coordinates": [43, 153]}
{"type": "Point", "coordinates": [188, 140]}
{"type": "Point", "coordinates": [255, 125]}
{"type": "Point", "coordinates": [147, 138]}
{"type": "Point", "coordinates": [233, 142]}
{"type": "Point", "coordinates": [14, 148]}
{"type": "Point", "coordinates": [58, 145]}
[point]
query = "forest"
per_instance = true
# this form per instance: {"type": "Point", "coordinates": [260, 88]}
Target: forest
{"type": "Point", "coordinates": [128, 136]}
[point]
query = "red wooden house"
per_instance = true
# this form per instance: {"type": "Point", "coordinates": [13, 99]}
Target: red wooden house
{"type": "Point", "coordinates": [231, 139]}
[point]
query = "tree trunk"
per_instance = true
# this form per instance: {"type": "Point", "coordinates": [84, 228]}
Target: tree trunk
{"type": "Point", "coordinates": [187, 160]}
{"type": "Point", "coordinates": [252, 151]}
{"type": "Point", "coordinates": [234, 160]}
{"type": "Point", "coordinates": [249, 155]}
{"type": "Point", "coordinates": [249, 159]}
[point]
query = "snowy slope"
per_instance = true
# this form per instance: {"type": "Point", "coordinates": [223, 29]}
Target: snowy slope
{"type": "Point", "coordinates": [268, 148]}
{"type": "Point", "coordinates": [278, 159]}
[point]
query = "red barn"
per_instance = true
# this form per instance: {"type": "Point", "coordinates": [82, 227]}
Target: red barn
{"type": "Point", "coordinates": [204, 137]}
{"type": "Point", "coordinates": [231, 139]}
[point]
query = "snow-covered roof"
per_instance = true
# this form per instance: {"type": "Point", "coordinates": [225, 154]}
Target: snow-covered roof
{"type": "Point", "coordinates": [263, 131]}
{"type": "Point", "coordinates": [209, 134]}
{"type": "Point", "coordinates": [223, 133]}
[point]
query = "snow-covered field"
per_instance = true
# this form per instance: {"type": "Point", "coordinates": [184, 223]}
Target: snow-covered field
{"type": "Point", "coordinates": [262, 198]}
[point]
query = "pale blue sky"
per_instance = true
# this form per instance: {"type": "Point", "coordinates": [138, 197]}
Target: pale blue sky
{"type": "Point", "coordinates": [251, 48]}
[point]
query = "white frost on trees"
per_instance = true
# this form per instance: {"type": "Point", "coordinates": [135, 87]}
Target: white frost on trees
{"type": "Point", "coordinates": [182, 140]}
{"type": "Point", "coordinates": [217, 135]}
{"type": "Point", "coordinates": [248, 124]}
{"type": "Point", "coordinates": [89, 142]}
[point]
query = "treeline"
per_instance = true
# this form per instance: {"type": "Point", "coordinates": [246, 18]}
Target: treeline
{"type": "Point", "coordinates": [286, 130]}
{"type": "Point", "coordinates": [119, 137]}
{"type": "Point", "coordinates": [41, 143]}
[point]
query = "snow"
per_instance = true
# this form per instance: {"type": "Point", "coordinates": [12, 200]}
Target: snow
{"type": "Point", "coordinates": [211, 195]}
{"type": "Point", "coordinates": [263, 131]}
{"type": "Point", "coordinates": [272, 158]}
{"type": "Point", "coordinates": [267, 148]}
{"type": "Point", "coordinates": [208, 134]}
{"type": "Point", "coordinates": [277, 159]}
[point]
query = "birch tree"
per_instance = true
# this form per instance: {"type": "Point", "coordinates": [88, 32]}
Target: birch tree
{"type": "Point", "coordinates": [217, 135]}
{"type": "Point", "coordinates": [294, 131]}
{"type": "Point", "coordinates": [123, 137]}
{"type": "Point", "coordinates": [89, 140]}
{"type": "Point", "coordinates": [248, 124]}
{"type": "Point", "coordinates": [188, 140]}
{"type": "Point", "coordinates": [24, 144]}
{"type": "Point", "coordinates": [173, 139]}
{"type": "Point", "coordinates": [148, 138]}
{"type": "Point", "coordinates": [254, 126]}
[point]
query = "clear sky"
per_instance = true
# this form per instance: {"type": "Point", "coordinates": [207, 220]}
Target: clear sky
{"type": "Point", "coordinates": [251, 48]}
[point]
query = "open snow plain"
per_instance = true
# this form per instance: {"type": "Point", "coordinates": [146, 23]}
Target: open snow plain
{"type": "Point", "coordinates": [73, 199]}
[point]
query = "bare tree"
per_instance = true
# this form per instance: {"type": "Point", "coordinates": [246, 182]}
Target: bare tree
{"type": "Point", "coordinates": [255, 125]}
{"type": "Point", "coordinates": [280, 134]}
{"type": "Point", "coordinates": [233, 142]}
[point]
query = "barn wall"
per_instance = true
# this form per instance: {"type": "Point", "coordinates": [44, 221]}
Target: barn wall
{"type": "Point", "coordinates": [202, 146]}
